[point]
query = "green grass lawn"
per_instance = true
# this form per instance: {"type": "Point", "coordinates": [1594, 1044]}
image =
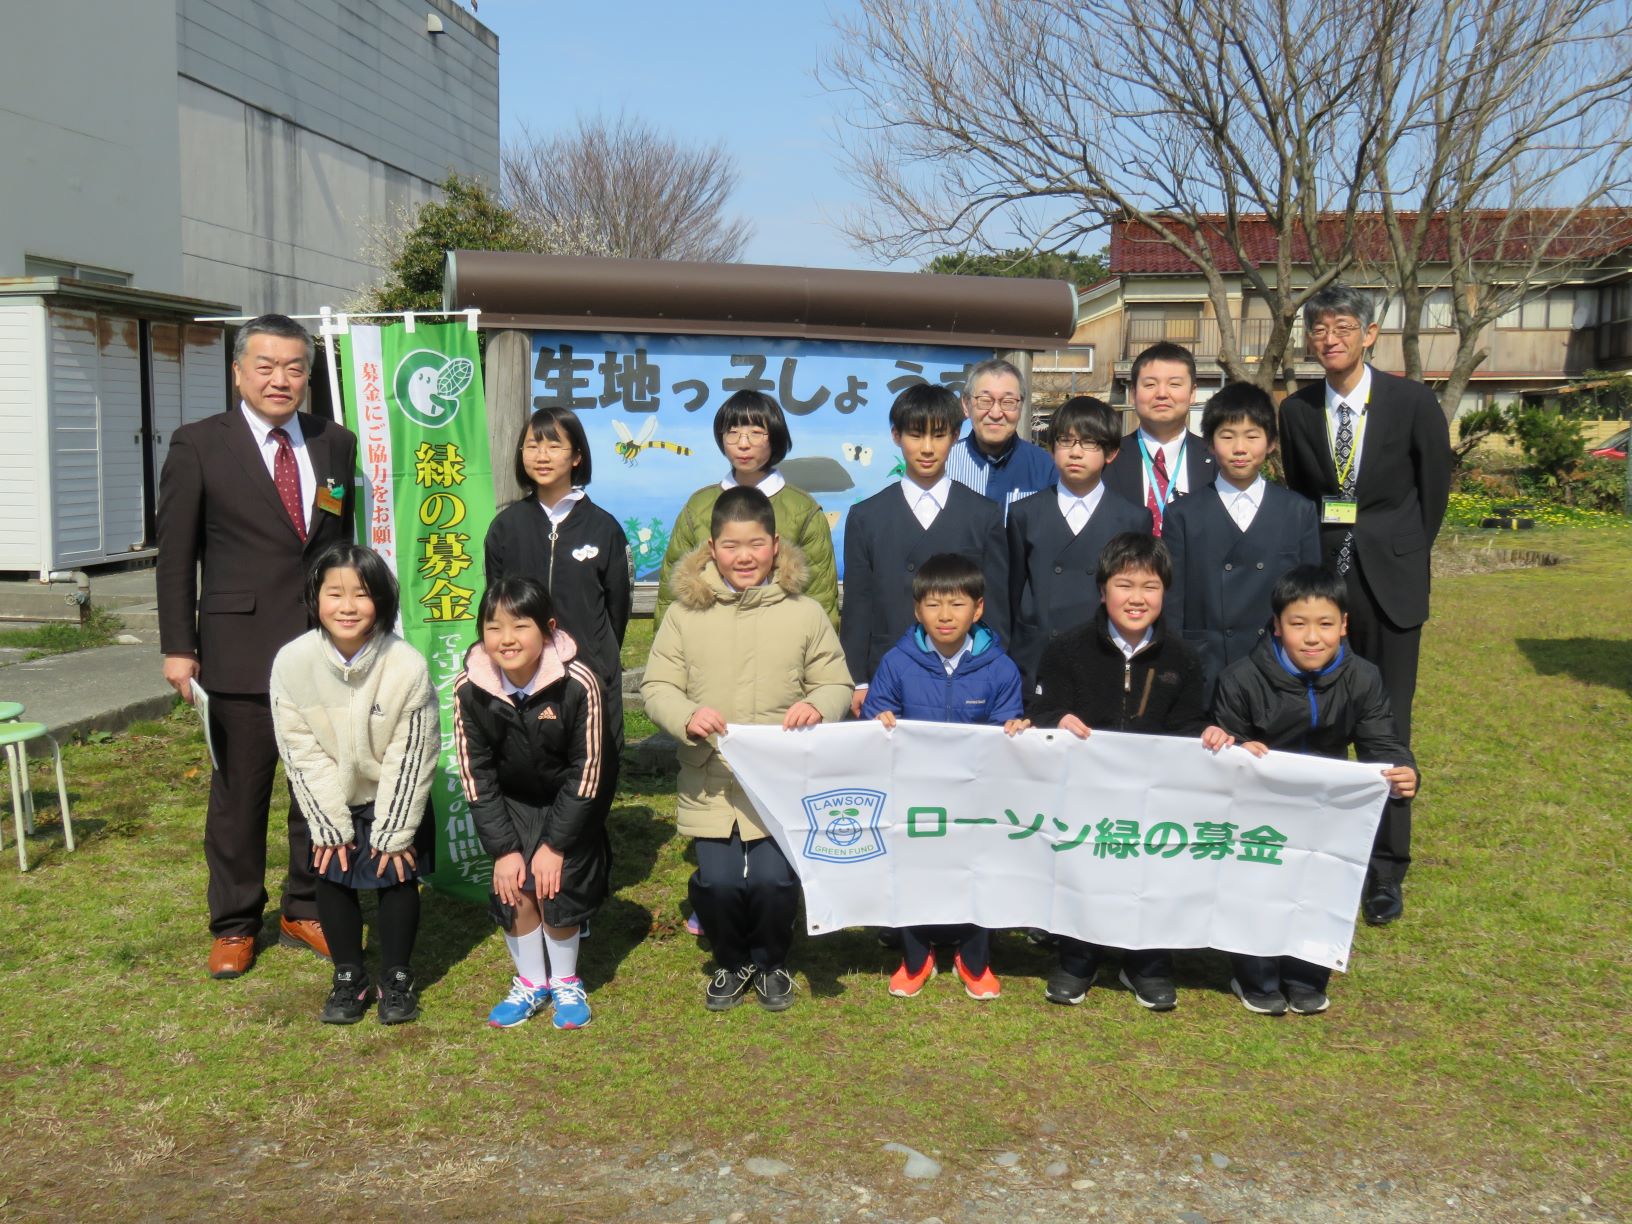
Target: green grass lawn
{"type": "Point", "coordinates": [99, 628]}
{"type": "Point", "coordinates": [1483, 1039]}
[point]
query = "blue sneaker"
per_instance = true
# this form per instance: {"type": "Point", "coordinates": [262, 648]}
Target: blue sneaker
{"type": "Point", "coordinates": [571, 1004]}
{"type": "Point", "coordinates": [520, 1005]}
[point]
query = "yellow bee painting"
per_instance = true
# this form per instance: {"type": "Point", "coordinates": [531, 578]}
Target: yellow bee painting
{"type": "Point", "coordinates": [629, 446]}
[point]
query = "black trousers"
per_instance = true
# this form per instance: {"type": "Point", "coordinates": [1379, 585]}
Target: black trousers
{"type": "Point", "coordinates": [1264, 974]}
{"type": "Point", "coordinates": [746, 896]}
{"type": "Point", "coordinates": [236, 819]}
{"type": "Point", "coordinates": [1394, 650]}
{"type": "Point", "coordinates": [1082, 959]}
{"type": "Point", "coordinates": [974, 945]}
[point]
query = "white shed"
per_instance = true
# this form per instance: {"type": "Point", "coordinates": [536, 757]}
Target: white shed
{"type": "Point", "coordinates": [93, 381]}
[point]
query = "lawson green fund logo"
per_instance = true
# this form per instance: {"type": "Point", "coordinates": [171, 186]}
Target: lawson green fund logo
{"type": "Point", "coordinates": [844, 825]}
{"type": "Point", "coordinates": [428, 386]}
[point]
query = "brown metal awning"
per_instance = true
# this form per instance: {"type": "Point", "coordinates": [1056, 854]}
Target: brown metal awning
{"type": "Point", "coordinates": [583, 293]}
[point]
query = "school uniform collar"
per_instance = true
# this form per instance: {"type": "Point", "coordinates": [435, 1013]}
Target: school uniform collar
{"type": "Point", "coordinates": [262, 429]}
{"type": "Point", "coordinates": [950, 662]}
{"type": "Point", "coordinates": [939, 492]}
{"type": "Point", "coordinates": [1129, 649]}
{"type": "Point", "coordinates": [773, 483]}
{"type": "Point", "coordinates": [557, 513]}
{"type": "Point", "coordinates": [1089, 501]}
{"type": "Point", "coordinates": [1229, 494]}
{"type": "Point", "coordinates": [1358, 399]}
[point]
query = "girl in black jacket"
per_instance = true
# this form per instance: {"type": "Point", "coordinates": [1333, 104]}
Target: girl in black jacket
{"type": "Point", "coordinates": [533, 750]}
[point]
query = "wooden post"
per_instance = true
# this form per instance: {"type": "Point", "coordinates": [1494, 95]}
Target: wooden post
{"type": "Point", "coordinates": [1021, 360]}
{"type": "Point", "coordinates": [507, 377]}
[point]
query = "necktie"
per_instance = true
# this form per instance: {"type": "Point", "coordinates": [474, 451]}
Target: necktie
{"type": "Point", "coordinates": [1157, 497]}
{"type": "Point", "coordinates": [286, 476]}
{"type": "Point", "coordinates": [1343, 455]}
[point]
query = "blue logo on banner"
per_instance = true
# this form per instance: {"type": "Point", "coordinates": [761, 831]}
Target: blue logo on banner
{"type": "Point", "coordinates": [844, 826]}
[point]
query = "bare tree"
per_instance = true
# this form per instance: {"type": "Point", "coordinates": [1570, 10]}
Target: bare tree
{"type": "Point", "coordinates": [635, 191]}
{"type": "Point", "coordinates": [1047, 119]}
{"type": "Point", "coordinates": [1518, 134]}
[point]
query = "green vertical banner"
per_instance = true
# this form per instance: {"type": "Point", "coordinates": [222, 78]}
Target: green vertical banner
{"type": "Point", "coordinates": [415, 401]}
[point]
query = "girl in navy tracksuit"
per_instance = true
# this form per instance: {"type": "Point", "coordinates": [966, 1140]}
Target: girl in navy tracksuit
{"type": "Point", "coordinates": [947, 668]}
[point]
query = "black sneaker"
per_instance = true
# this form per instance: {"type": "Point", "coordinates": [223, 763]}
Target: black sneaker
{"type": "Point", "coordinates": [889, 937]}
{"type": "Point", "coordinates": [1156, 993]}
{"type": "Point", "coordinates": [727, 988]}
{"type": "Point", "coordinates": [348, 998]}
{"type": "Point", "coordinates": [399, 1001]}
{"type": "Point", "coordinates": [1066, 987]}
{"type": "Point", "coordinates": [1267, 1003]}
{"type": "Point", "coordinates": [1383, 904]}
{"type": "Point", "coordinates": [1305, 1000]}
{"type": "Point", "coordinates": [1039, 938]}
{"type": "Point", "coordinates": [775, 989]}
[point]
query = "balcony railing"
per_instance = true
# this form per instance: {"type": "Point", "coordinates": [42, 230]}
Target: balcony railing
{"type": "Point", "coordinates": [1198, 335]}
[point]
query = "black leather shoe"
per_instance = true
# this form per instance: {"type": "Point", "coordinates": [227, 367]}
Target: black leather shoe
{"type": "Point", "coordinates": [1383, 904]}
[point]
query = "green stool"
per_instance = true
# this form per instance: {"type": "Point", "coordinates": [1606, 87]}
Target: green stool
{"type": "Point", "coordinates": [13, 735]}
{"type": "Point", "coordinates": [11, 711]}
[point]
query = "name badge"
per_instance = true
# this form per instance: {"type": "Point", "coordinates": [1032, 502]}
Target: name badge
{"type": "Point", "coordinates": [329, 497]}
{"type": "Point", "coordinates": [1337, 510]}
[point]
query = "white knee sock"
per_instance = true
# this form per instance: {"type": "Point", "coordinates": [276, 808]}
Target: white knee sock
{"type": "Point", "coordinates": [563, 955]}
{"type": "Point", "coordinates": [528, 953]}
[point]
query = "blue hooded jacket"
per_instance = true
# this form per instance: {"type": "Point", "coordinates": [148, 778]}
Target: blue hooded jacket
{"type": "Point", "coordinates": [911, 682]}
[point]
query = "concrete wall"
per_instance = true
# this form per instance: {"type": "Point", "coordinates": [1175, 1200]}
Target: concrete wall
{"type": "Point", "coordinates": [304, 125]}
{"type": "Point", "coordinates": [88, 127]}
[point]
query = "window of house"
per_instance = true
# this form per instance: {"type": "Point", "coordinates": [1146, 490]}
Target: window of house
{"type": "Point", "coordinates": [1437, 314]}
{"type": "Point", "coordinates": [38, 265]}
{"type": "Point", "coordinates": [1077, 357]}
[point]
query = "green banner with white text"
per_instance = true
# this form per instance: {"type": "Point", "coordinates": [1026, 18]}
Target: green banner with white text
{"type": "Point", "coordinates": [415, 401]}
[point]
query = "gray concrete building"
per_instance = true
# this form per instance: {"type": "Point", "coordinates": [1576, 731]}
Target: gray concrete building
{"type": "Point", "coordinates": [167, 159]}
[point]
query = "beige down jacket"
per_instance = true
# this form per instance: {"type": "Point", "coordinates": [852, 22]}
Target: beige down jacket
{"type": "Point", "coordinates": [748, 654]}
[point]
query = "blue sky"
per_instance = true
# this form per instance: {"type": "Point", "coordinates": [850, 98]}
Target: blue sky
{"type": "Point", "coordinates": [720, 70]}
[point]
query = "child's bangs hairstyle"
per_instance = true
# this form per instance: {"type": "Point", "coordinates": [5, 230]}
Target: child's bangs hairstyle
{"type": "Point", "coordinates": [926, 408]}
{"type": "Point", "coordinates": [743, 504]}
{"type": "Point", "coordinates": [1308, 582]}
{"type": "Point", "coordinates": [520, 597]}
{"type": "Point", "coordinates": [553, 425]}
{"type": "Point", "coordinates": [1134, 550]}
{"type": "Point", "coordinates": [754, 410]}
{"type": "Point", "coordinates": [1088, 420]}
{"type": "Point", "coordinates": [1235, 403]}
{"type": "Point", "coordinates": [378, 580]}
{"type": "Point", "coordinates": [948, 574]}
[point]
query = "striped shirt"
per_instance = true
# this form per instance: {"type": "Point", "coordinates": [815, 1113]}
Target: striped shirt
{"type": "Point", "coordinates": [1019, 472]}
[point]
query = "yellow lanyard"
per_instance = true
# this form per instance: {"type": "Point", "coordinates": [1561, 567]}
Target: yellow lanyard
{"type": "Point", "coordinates": [1354, 451]}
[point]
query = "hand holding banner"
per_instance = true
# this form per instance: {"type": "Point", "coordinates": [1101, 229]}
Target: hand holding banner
{"type": "Point", "coordinates": [1132, 841]}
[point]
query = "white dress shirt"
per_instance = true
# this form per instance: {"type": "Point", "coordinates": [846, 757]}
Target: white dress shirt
{"type": "Point", "coordinates": [950, 662]}
{"type": "Point", "coordinates": [557, 514]}
{"type": "Point", "coordinates": [1241, 503]}
{"type": "Point", "coordinates": [924, 503]}
{"type": "Point", "coordinates": [772, 483]}
{"type": "Point", "coordinates": [1178, 474]}
{"type": "Point", "coordinates": [1358, 401]}
{"type": "Point", "coordinates": [1129, 649]}
{"type": "Point", "coordinates": [1078, 510]}
{"type": "Point", "coordinates": [268, 446]}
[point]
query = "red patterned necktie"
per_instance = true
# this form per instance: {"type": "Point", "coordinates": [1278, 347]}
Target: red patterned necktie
{"type": "Point", "coordinates": [1157, 498]}
{"type": "Point", "coordinates": [286, 475]}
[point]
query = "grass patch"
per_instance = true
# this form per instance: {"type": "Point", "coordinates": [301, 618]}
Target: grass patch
{"type": "Point", "coordinates": [1483, 1038]}
{"type": "Point", "coordinates": [99, 628]}
{"type": "Point", "coordinates": [637, 641]}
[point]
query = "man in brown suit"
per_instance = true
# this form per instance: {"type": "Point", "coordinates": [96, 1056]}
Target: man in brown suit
{"type": "Point", "coordinates": [246, 499]}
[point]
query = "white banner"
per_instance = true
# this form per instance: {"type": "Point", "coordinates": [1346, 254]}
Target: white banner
{"type": "Point", "coordinates": [1133, 841]}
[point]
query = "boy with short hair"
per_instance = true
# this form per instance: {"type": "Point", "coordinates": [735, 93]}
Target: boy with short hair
{"type": "Point", "coordinates": [949, 668]}
{"type": "Point", "coordinates": [1123, 671]}
{"type": "Point", "coordinates": [1055, 536]}
{"type": "Point", "coordinates": [742, 644]}
{"type": "Point", "coordinates": [1233, 539]}
{"type": "Point", "coordinates": [890, 534]}
{"type": "Point", "coordinates": [1304, 690]}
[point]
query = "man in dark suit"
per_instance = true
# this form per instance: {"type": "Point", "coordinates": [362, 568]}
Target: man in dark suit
{"type": "Point", "coordinates": [1161, 460]}
{"type": "Point", "coordinates": [246, 498]}
{"type": "Point", "coordinates": [1373, 452]}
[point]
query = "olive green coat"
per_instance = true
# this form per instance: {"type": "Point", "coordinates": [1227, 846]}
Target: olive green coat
{"type": "Point", "coordinates": [799, 520]}
{"type": "Point", "coordinates": [748, 654]}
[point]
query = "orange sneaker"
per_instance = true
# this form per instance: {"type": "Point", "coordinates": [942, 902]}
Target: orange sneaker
{"type": "Point", "coordinates": [904, 985]}
{"type": "Point", "coordinates": [986, 986]}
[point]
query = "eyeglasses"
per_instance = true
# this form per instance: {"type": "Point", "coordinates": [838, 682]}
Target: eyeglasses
{"type": "Point", "coordinates": [553, 450]}
{"type": "Point", "coordinates": [1078, 444]}
{"type": "Point", "coordinates": [746, 435]}
{"type": "Point", "coordinates": [1342, 331]}
{"type": "Point", "coordinates": [1009, 403]}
